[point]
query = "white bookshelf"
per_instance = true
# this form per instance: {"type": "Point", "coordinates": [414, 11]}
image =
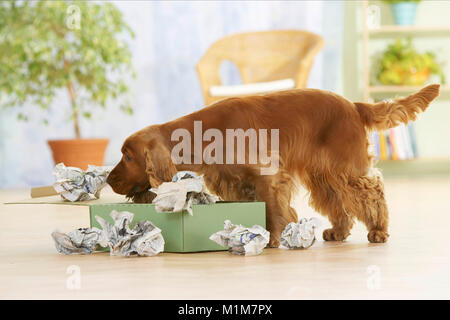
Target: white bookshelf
{"type": "Point", "coordinates": [416, 166]}
{"type": "Point", "coordinates": [401, 89]}
{"type": "Point", "coordinates": [409, 30]}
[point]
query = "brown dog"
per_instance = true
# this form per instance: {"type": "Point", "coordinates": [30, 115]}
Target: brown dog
{"type": "Point", "coordinates": [322, 144]}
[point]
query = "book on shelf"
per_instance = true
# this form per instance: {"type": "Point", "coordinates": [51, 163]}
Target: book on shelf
{"type": "Point", "coordinates": [398, 143]}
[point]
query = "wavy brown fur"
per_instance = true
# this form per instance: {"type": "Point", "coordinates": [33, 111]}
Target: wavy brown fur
{"type": "Point", "coordinates": [388, 114]}
{"type": "Point", "coordinates": [323, 146]}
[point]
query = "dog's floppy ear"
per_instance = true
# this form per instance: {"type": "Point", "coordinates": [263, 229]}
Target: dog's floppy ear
{"type": "Point", "coordinates": [158, 163]}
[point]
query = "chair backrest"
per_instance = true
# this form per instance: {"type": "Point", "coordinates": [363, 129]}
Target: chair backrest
{"type": "Point", "coordinates": [261, 56]}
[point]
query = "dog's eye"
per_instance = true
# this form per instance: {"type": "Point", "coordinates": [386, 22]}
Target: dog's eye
{"type": "Point", "coordinates": [127, 157]}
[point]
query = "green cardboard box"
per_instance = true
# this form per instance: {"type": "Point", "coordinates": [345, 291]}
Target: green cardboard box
{"type": "Point", "coordinates": [183, 232]}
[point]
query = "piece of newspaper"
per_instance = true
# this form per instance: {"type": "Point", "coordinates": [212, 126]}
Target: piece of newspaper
{"type": "Point", "coordinates": [185, 190]}
{"type": "Point", "coordinates": [299, 235]}
{"type": "Point", "coordinates": [81, 241]}
{"type": "Point", "coordinates": [74, 184]}
{"type": "Point", "coordinates": [145, 239]}
{"type": "Point", "coordinates": [242, 240]}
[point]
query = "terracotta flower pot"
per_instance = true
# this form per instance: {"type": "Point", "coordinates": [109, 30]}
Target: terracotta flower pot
{"type": "Point", "coordinates": [79, 152]}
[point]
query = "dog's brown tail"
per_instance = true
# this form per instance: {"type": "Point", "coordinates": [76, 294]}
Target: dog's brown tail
{"type": "Point", "coordinates": [388, 114]}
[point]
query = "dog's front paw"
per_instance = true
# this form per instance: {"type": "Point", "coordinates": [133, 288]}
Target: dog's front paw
{"type": "Point", "coordinates": [334, 235]}
{"type": "Point", "coordinates": [377, 236]}
{"type": "Point", "coordinates": [274, 243]}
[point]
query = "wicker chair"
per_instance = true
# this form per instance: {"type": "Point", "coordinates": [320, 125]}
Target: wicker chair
{"type": "Point", "coordinates": [260, 57]}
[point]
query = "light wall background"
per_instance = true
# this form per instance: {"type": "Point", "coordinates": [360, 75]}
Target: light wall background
{"type": "Point", "coordinates": [171, 36]}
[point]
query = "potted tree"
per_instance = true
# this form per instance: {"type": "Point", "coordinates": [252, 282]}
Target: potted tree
{"type": "Point", "coordinates": [76, 46]}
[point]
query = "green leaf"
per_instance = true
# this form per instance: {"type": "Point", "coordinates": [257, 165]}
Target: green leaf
{"type": "Point", "coordinates": [87, 115]}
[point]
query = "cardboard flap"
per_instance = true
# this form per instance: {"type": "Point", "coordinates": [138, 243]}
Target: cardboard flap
{"type": "Point", "coordinates": [44, 191]}
{"type": "Point", "coordinates": [106, 196]}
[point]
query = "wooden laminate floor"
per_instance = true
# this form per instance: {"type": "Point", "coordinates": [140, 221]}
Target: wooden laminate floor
{"type": "Point", "coordinates": [415, 263]}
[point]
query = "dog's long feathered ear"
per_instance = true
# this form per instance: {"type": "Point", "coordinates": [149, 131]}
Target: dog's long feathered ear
{"type": "Point", "coordinates": [158, 163]}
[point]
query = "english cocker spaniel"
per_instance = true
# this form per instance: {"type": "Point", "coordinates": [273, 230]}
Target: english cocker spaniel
{"type": "Point", "coordinates": [317, 139]}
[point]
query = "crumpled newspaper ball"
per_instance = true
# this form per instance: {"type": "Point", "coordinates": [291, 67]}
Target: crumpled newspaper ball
{"type": "Point", "coordinates": [242, 240]}
{"type": "Point", "coordinates": [145, 239]}
{"type": "Point", "coordinates": [74, 184]}
{"type": "Point", "coordinates": [82, 241]}
{"type": "Point", "coordinates": [185, 190]}
{"type": "Point", "coordinates": [300, 234]}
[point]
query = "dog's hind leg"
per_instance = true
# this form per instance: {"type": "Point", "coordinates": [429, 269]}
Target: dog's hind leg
{"type": "Point", "coordinates": [368, 204]}
{"type": "Point", "coordinates": [342, 197]}
{"type": "Point", "coordinates": [326, 198]}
